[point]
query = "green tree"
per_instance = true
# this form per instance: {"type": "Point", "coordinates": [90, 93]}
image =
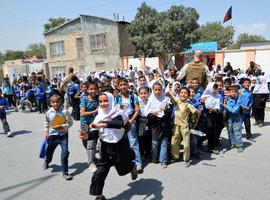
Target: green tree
{"type": "Point", "coordinates": [162, 34]}
{"type": "Point", "coordinates": [13, 55]}
{"type": "Point", "coordinates": [214, 31]}
{"type": "Point", "coordinates": [54, 22]}
{"type": "Point", "coordinates": [143, 31]}
{"type": "Point", "coordinates": [176, 31]}
{"type": "Point", "coordinates": [36, 49]}
{"type": "Point", "coordinates": [245, 37]}
{"type": "Point", "coordinates": [1, 58]}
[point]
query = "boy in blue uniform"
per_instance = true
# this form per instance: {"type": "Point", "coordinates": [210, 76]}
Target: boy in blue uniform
{"type": "Point", "coordinates": [246, 98]}
{"type": "Point", "coordinates": [40, 96]}
{"type": "Point", "coordinates": [3, 106]}
{"type": "Point", "coordinates": [235, 119]}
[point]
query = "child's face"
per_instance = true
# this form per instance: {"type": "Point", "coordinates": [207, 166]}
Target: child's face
{"type": "Point", "coordinates": [104, 102]}
{"type": "Point", "coordinates": [131, 88]}
{"type": "Point", "coordinates": [183, 95]}
{"type": "Point", "coordinates": [55, 102]}
{"type": "Point", "coordinates": [84, 88]}
{"type": "Point", "coordinates": [220, 86]}
{"type": "Point", "coordinates": [92, 90]}
{"type": "Point", "coordinates": [215, 90]}
{"type": "Point", "coordinates": [195, 84]}
{"type": "Point", "coordinates": [143, 94]}
{"type": "Point", "coordinates": [246, 84]}
{"type": "Point", "coordinates": [233, 93]}
{"type": "Point", "coordinates": [192, 93]}
{"type": "Point", "coordinates": [227, 85]}
{"type": "Point", "coordinates": [142, 81]}
{"type": "Point", "coordinates": [123, 86]}
{"type": "Point", "coordinates": [151, 77]}
{"type": "Point", "coordinates": [177, 88]}
{"type": "Point", "coordinates": [157, 90]}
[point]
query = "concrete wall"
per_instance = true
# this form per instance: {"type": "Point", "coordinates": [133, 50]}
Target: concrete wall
{"type": "Point", "coordinates": [255, 45]}
{"type": "Point", "coordinates": [262, 57]}
{"type": "Point", "coordinates": [236, 58]}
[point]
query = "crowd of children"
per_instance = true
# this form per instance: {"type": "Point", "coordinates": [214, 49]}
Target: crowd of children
{"type": "Point", "coordinates": [139, 116]}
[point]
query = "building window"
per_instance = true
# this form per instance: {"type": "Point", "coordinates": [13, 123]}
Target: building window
{"type": "Point", "coordinates": [98, 42]}
{"type": "Point", "coordinates": [100, 64]}
{"type": "Point", "coordinates": [58, 70]}
{"type": "Point", "coordinates": [80, 52]}
{"type": "Point", "coordinates": [57, 49]}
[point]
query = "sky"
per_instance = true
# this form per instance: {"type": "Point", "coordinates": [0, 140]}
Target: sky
{"type": "Point", "coordinates": [21, 21]}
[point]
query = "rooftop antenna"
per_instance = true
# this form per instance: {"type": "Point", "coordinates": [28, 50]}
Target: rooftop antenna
{"type": "Point", "coordinates": [114, 16]}
{"type": "Point", "coordinates": [123, 18]}
{"type": "Point", "coordinates": [117, 16]}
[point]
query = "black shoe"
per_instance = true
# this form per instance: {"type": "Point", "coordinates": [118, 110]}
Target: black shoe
{"type": "Point", "coordinates": [248, 136]}
{"type": "Point", "coordinates": [45, 165]}
{"type": "Point", "coordinates": [67, 176]}
{"type": "Point", "coordinates": [134, 173]}
{"type": "Point", "coordinates": [101, 198]}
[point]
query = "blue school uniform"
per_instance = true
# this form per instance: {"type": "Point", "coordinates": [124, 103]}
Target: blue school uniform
{"type": "Point", "coordinates": [235, 121]}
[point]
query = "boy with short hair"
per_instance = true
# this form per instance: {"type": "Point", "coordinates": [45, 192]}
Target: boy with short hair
{"type": "Point", "coordinates": [247, 100]}
{"type": "Point", "coordinates": [3, 106]}
{"type": "Point", "coordinates": [40, 97]}
{"type": "Point", "coordinates": [57, 122]}
{"type": "Point", "coordinates": [88, 110]}
{"type": "Point", "coordinates": [130, 102]}
{"type": "Point", "coordinates": [235, 119]}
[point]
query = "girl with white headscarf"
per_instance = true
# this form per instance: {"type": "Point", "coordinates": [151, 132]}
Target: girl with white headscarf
{"type": "Point", "coordinates": [260, 96]}
{"type": "Point", "coordinates": [155, 112]}
{"type": "Point", "coordinates": [115, 151]}
{"type": "Point", "coordinates": [212, 103]}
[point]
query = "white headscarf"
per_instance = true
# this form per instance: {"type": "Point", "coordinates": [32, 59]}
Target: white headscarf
{"type": "Point", "coordinates": [261, 86]}
{"type": "Point", "coordinates": [212, 100]}
{"type": "Point", "coordinates": [110, 135]}
{"type": "Point", "coordinates": [154, 104]}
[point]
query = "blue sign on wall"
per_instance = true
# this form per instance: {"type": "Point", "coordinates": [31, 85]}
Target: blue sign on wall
{"type": "Point", "coordinates": [204, 47]}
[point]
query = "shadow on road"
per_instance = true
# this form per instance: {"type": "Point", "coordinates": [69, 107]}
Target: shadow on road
{"type": "Point", "coordinates": [31, 184]}
{"type": "Point", "coordinates": [150, 188]}
{"type": "Point", "coordinates": [21, 132]}
{"type": "Point", "coordinates": [79, 168]}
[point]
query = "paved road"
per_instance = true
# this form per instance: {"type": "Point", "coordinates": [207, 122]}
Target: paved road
{"type": "Point", "coordinates": [231, 176]}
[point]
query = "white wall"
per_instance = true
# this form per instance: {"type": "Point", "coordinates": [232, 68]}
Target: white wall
{"type": "Point", "coordinates": [262, 58]}
{"type": "Point", "coordinates": [135, 62]}
{"type": "Point", "coordinates": [255, 45]}
{"type": "Point", "coordinates": [236, 58]}
{"type": "Point", "coordinates": [152, 62]}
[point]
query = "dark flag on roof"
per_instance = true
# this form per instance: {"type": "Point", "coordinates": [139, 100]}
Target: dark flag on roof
{"type": "Point", "coordinates": [228, 15]}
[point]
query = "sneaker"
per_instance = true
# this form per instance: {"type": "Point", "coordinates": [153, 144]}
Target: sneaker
{"type": "Point", "coordinates": [163, 165]}
{"type": "Point", "coordinates": [232, 146]}
{"type": "Point", "coordinates": [134, 173]}
{"type": "Point", "coordinates": [255, 124]}
{"type": "Point", "coordinates": [92, 167]}
{"type": "Point", "coordinates": [45, 165]}
{"type": "Point", "coordinates": [260, 125]}
{"type": "Point", "coordinates": [100, 198]}
{"type": "Point", "coordinates": [214, 151]}
{"type": "Point", "coordinates": [139, 169]}
{"type": "Point", "coordinates": [9, 134]}
{"type": "Point", "coordinates": [187, 163]}
{"type": "Point", "coordinates": [67, 176]}
{"type": "Point", "coordinates": [240, 149]}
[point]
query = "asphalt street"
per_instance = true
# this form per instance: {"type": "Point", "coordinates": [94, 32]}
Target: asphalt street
{"type": "Point", "coordinates": [228, 176]}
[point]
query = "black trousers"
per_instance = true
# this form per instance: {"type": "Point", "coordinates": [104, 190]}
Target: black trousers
{"type": "Point", "coordinates": [259, 113]}
{"type": "Point", "coordinates": [40, 104]}
{"type": "Point", "coordinates": [246, 119]}
{"type": "Point", "coordinates": [219, 125]}
{"type": "Point", "coordinates": [10, 100]}
{"type": "Point", "coordinates": [4, 123]}
{"type": "Point", "coordinates": [211, 124]}
{"type": "Point", "coordinates": [117, 154]}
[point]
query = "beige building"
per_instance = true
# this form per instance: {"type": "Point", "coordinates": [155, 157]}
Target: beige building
{"type": "Point", "coordinates": [87, 43]}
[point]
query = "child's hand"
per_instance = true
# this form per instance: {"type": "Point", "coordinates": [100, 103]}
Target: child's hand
{"type": "Point", "coordinates": [155, 114]}
{"type": "Point", "coordinates": [98, 125]}
{"type": "Point", "coordinates": [46, 135]}
{"type": "Point", "coordinates": [1, 107]}
{"type": "Point", "coordinates": [58, 127]}
{"type": "Point", "coordinates": [162, 107]}
{"type": "Point", "coordinates": [83, 135]}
